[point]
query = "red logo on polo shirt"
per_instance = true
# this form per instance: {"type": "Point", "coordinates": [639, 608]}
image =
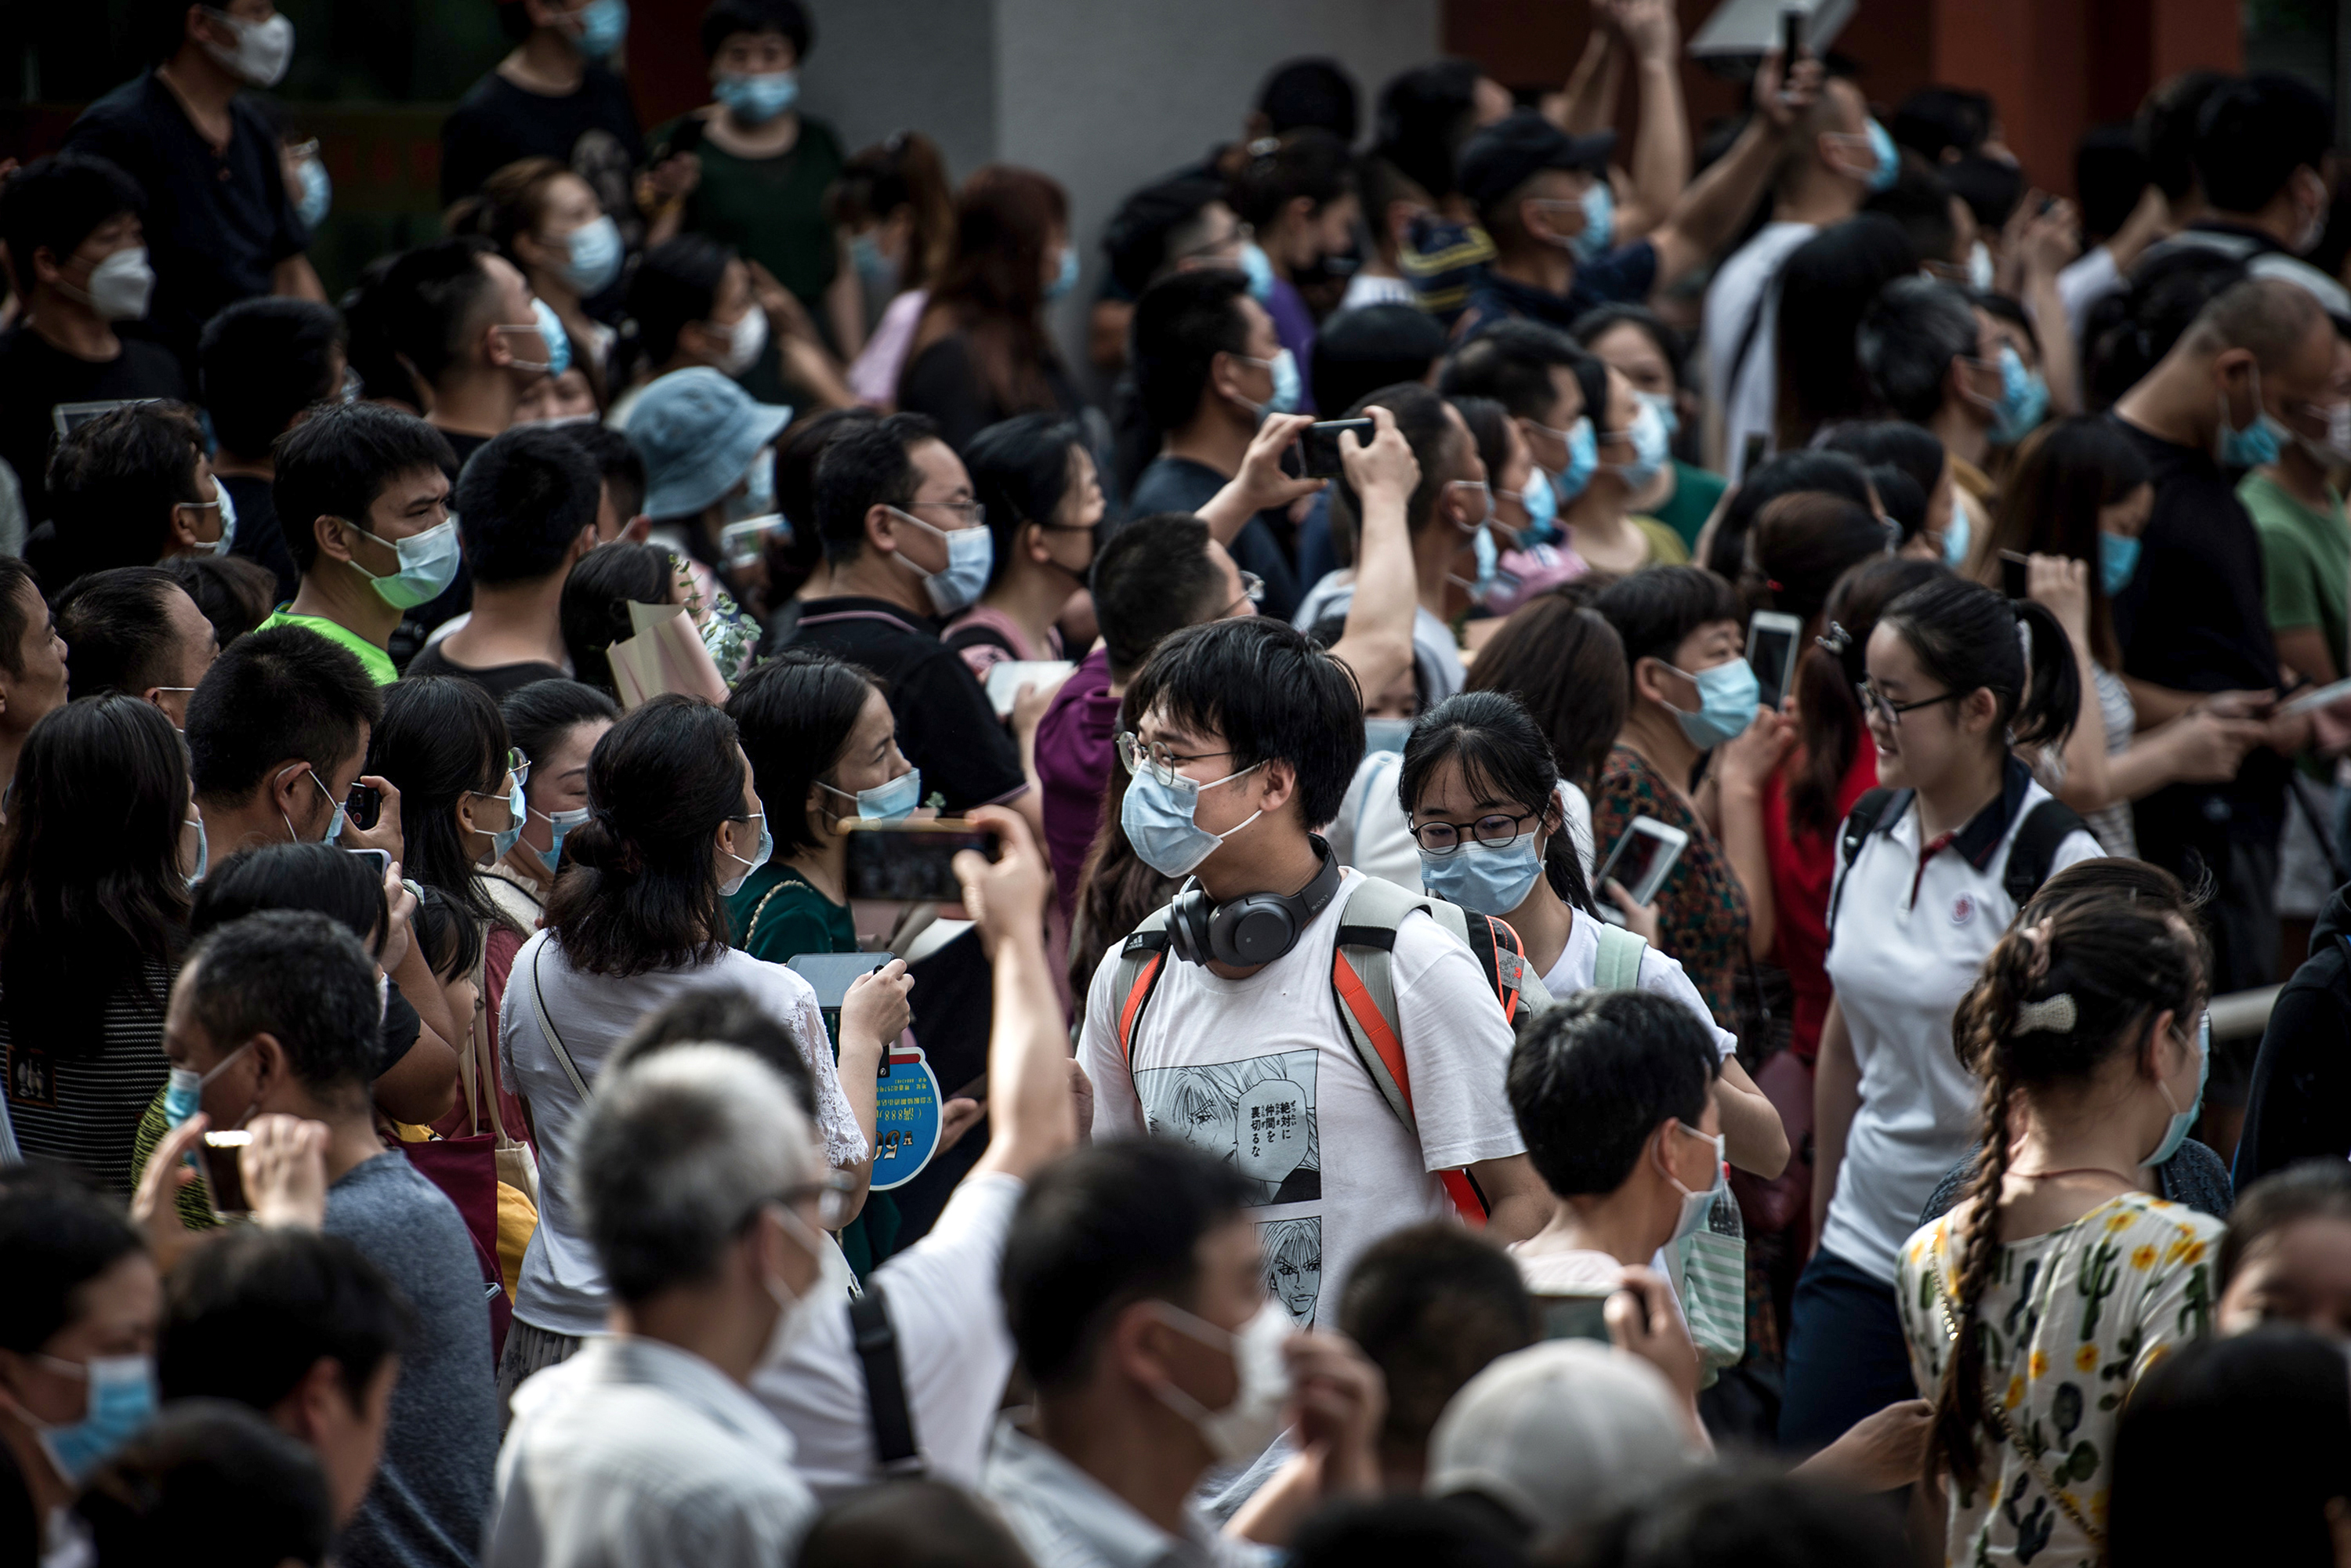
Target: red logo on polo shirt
{"type": "Point", "coordinates": [1963, 909]}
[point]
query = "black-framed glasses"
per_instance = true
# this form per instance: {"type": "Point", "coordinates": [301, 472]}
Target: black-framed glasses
{"type": "Point", "coordinates": [1884, 709]}
{"type": "Point", "coordinates": [1135, 754]}
{"type": "Point", "coordinates": [1443, 838]}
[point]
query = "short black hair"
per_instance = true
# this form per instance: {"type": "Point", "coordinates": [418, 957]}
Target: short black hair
{"type": "Point", "coordinates": [1992, 187]}
{"type": "Point", "coordinates": [1870, 442]}
{"type": "Point", "coordinates": [53, 204]}
{"type": "Point", "coordinates": [910, 1525]}
{"type": "Point", "coordinates": [1310, 163]}
{"type": "Point", "coordinates": [725, 1015]}
{"type": "Point", "coordinates": [306, 981]}
{"type": "Point", "coordinates": [1271, 693]}
{"type": "Point", "coordinates": [1152, 578]}
{"type": "Point", "coordinates": [862, 467]}
{"type": "Point", "coordinates": [118, 629]}
{"type": "Point", "coordinates": [1141, 237]}
{"type": "Point", "coordinates": [1432, 1305]}
{"type": "Point", "coordinates": [1656, 608]}
{"type": "Point", "coordinates": [2166, 127]}
{"type": "Point", "coordinates": [675, 282]}
{"type": "Point", "coordinates": [1100, 1228]}
{"type": "Point", "coordinates": [56, 1235]}
{"type": "Point", "coordinates": [1021, 471]}
{"type": "Point", "coordinates": [234, 591]}
{"type": "Point", "coordinates": [1762, 1517]}
{"type": "Point", "coordinates": [616, 461]}
{"type": "Point", "coordinates": [795, 714]}
{"type": "Point", "coordinates": [263, 361]}
{"type": "Point", "coordinates": [2252, 135]}
{"type": "Point", "coordinates": [14, 622]}
{"type": "Point", "coordinates": [1428, 428]}
{"type": "Point", "coordinates": [522, 502]}
{"type": "Point", "coordinates": [1424, 115]}
{"type": "Point", "coordinates": [1919, 201]}
{"type": "Point", "coordinates": [248, 1316]}
{"type": "Point", "coordinates": [1357, 352]}
{"type": "Point", "coordinates": [538, 713]}
{"type": "Point", "coordinates": [337, 462]}
{"type": "Point", "coordinates": [324, 879]}
{"type": "Point", "coordinates": [1511, 362]}
{"type": "Point", "coordinates": [2110, 172]}
{"type": "Point", "coordinates": [1317, 93]}
{"type": "Point", "coordinates": [2310, 1188]}
{"type": "Point", "coordinates": [1181, 324]}
{"type": "Point", "coordinates": [284, 692]}
{"type": "Point", "coordinates": [797, 450]}
{"type": "Point", "coordinates": [1909, 338]}
{"type": "Point", "coordinates": [1592, 1078]}
{"type": "Point", "coordinates": [437, 294]}
{"type": "Point", "coordinates": [113, 482]}
{"type": "Point", "coordinates": [1937, 120]}
{"type": "Point", "coordinates": [727, 17]}
{"type": "Point", "coordinates": [212, 1471]}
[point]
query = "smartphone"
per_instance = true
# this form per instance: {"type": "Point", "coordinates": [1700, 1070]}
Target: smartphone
{"type": "Point", "coordinates": [2015, 575]}
{"type": "Point", "coordinates": [363, 807]}
{"type": "Point", "coordinates": [1572, 1317]}
{"type": "Point", "coordinates": [1640, 862]}
{"type": "Point", "coordinates": [831, 975]}
{"type": "Point", "coordinates": [1005, 680]}
{"type": "Point", "coordinates": [222, 1176]}
{"type": "Point", "coordinates": [1771, 643]}
{"type": "Point", "coordinates": [741, 545]}
{"type": "Point", "coordinates": [1321, 446]}
{"type": "Point", "coordinates": [1756, 440]}
{"type": "Point", "coordinates": [912, 863]}
{"type": "Point", "coordinates": [1791, 35]}
{"type": "Point", "coordinates": [380, 858]}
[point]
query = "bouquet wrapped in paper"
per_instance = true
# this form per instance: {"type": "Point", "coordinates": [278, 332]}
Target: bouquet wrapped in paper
{"type": "Point", "coordinates": [663, 654]}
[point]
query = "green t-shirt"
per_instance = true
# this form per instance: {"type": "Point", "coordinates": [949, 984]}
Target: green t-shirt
{"type": "Point", "coordinates": [771, 209]}
{"type": "Point", "coordinates": [1696, 491]}
{"type": "Point", "coordinates": [2305, 561]}
{"type": "Point", "coordinates": [379, 662]}
{"type": "Point", "coordinates": [797, 919]}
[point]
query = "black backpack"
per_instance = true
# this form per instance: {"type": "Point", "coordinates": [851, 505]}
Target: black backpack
{"type": "Point", "coordinates": [2045, 827]}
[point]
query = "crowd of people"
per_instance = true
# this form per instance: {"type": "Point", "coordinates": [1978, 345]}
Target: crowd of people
{"type": "Point", "coordinates": [1618, 808]}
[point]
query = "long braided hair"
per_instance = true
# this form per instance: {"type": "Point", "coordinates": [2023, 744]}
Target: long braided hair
{"type": "Point", "coordinates": [2076, 979]}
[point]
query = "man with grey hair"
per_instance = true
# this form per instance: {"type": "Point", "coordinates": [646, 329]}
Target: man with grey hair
{"type": "Point", "coordinates": [2194, 626]}
{"type": "Point", "coordinates": [706, 1196]}
{"type": "Point", "coordinates": [1934, 357]}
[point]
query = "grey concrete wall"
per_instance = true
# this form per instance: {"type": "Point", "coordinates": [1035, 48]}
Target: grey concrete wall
{"type": "Point", "coordinates": [880, 65]}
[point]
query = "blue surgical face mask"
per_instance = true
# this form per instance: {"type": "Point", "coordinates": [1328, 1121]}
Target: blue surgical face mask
{"type": "Point", "coordinates": [428, 564]}
{"type": "Point", "coordinates": [759, 857]}
{"type": "Point", "coordinates": [1664, 403]}
{"type": "Point", "coordinates": [888, 802]}
{"type": "Point", "coordinates": [334, 825]}
{"type": "Point", "coordinates": [1283, 367]}
{"type": "Point", "coordinates": [1540, 504]}
{"type": "Point", "coordinates": [756, 100]}
{"type": "Point", "coordinates": [1955, 541]}
{"type": "Point", "coordinates": [1158, 821]}
{"type": "Point", "coordinates": [2117, 562]}
{"type": "Point", "coordinates": [603, 25]}
{"type": "Point", "coordinates": [2257, 445]}
{"type": "Point", "coordinates": [971, 556]}
{"type": "Point", "coordinates": [203, 850]}
{"type": "Point", "coordinates": [227, 504]}
{"type": "Point", "coordinates": [877, 271]}
{"type": "Point", "coordinates": [1258, 266]}
{"type": "Point", "coordinates": [502, 840]}
{"type": "Point", "coordinates": [2176, 1133]}
{"type": "Point", "coordinates": [1889, 161]}
{"type": "Point", "coordinates": [1386, 735]}
{"type": "Point", "coordinates": [1066, 278]}
{"type": "Point", "coordinates": [1582, 459]}
{"type": "Point", "coordinates": [2023, 400]}
{"type": "Point", "coordinates": [122, 1401]}
{"type": "Point", "coordinates": [316, 197]}
{"type": "Point", "coordinates": [183, 1089]}
{"type": "Point", "coordinates": [1727, 696]}
{"type": "Point", "coordinates": [1599, 220]}
{"type": "Point", "coordinates": [1651, 450]}
{"type": "Point", "coordinates": [1493, 879]}
{"type": "Point", "coordinates": [559, 823]}
{"type": "Point", "coordinates": [592, 257]}
{"type": "Point", "coordinates": [549, 328]}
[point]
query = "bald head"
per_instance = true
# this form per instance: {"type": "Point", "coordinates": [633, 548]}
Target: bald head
{"type": "Point", "coordinates": [2276, 321]}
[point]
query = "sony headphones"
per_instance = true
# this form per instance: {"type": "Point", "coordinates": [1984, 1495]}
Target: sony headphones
{"type": "Point", "coordinates": [1255, 928]}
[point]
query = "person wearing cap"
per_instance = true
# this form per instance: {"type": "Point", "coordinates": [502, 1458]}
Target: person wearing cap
{"type": "Point", "coordinates": [1544, 199]}
{"type": "Point", "coordinates": [1558, 1436]}
{"type": "Point", "coordinates": [709, 456]}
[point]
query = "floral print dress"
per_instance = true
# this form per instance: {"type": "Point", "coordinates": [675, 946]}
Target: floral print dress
{"type": "Point", "coordinates": [2073, 1319]}
{"type": "Point", "coordinates": [1701, 908]}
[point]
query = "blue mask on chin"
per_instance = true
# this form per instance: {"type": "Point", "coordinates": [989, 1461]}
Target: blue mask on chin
{"type": "Point", "coordinates": [2117, 562]}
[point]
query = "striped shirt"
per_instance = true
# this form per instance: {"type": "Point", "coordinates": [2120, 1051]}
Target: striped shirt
{"type": "Point", "coordinates": [83, 1108]}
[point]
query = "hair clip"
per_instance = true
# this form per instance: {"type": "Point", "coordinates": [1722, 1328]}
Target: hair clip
{"type": "Point", "coordinates": [1836, 642]}
{"type": "Point", "coordinates": [2055, 1015]}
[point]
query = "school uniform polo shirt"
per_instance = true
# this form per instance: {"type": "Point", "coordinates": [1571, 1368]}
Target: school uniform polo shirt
{"type": "Point", "coordinates": [1909, 934]}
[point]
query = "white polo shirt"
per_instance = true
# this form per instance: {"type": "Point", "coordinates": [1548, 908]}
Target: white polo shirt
{"type": "Point", "coordinates": [1908, 941]}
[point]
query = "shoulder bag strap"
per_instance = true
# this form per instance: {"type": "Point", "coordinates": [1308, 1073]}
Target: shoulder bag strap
{"type": "Point", "coordinates": [547, 1027]}
{"type": "Point", "coordinates": [751, 926]}
{"type": "Point", "coordinates": [875, 1339]}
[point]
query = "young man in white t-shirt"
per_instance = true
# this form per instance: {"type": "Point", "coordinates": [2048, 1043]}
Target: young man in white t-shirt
{"type": "Point", "coordinates": [1249, 734]}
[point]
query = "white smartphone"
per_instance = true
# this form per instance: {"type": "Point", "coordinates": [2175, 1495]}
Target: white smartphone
{"type": "Point", "coordinates": [2318, 697]}
{"type": "Point", "coordinates": [1773, 640]}
{"type": "Point", "coordinates": [1640, 860]}
{"type": "Point", "coordinates": [1005, 680]}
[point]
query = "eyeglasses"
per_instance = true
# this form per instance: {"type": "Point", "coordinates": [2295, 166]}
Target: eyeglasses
{"type": "Point", "coordinates": [973, 513]}
{"type": "Point", "coordinates": [831, 1195]}
{"type": "Point", "coordinates": [518, 765]}
{"type": "Point", "coordinates": [1445, 838]}
{"type": "Point", "coordinates": [1888, 712]}
{"type": "Point", "coordinates": [1135, 754]}
{"type": "Point", "coordinates": [1252, 592]}
{"type": "Point", "coordinates": [1240, 235]}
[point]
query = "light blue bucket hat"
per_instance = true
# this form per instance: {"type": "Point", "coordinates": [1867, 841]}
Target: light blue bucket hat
{"type": "Point", "coordinates": [698, 432]}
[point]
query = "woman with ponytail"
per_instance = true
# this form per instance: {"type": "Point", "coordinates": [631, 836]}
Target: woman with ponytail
{"type": "Point", "coordinates": [1481, 787]}
{"type": "Point", "coordinates": [2032, 1310]}
{"type": "Point", "coordinates": [1931, 868]}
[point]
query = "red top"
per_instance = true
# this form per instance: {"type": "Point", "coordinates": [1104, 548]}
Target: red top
{"type": "Point", "coordinates": [1803, 866]}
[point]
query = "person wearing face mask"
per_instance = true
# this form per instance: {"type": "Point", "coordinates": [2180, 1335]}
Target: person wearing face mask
{"type": "Point", "coordinates": [1134, 1284]}
{"type": "Point", "coordinates": [468, 328]}
{"type": "Point", "coordinates": [131, 487]}
{"type": "Point", "coordinates": [709, 456]}
{"type": "Point", "coordinates": [705, 1195]}
{"type": "Point", "coordinates": [363, 494]}
{"type": "Point", "coordinates": [2192, 623]}
{"type": "Point", "coordinates": [560, 94]}
{"type": "Point", "coordinates": [1691, 692]}
{"type": "Point", "coordinates": [221, 224]}
{"type": "Point", "coordinates": [1934, 358]}
{"type": "Point", "coordinates": [1539, 377]}
{"type": "Point", "coordinates": [135, 629]}
{"type": "Point", "coordinates": [555, 724]}
{"type": "Point", "coordinates": [895, 207]}
{"type": "Point", "coordinates": [2306, 534]}
{"type": "Point", "coordinates": [1931, 866]}
{"type": "Point", "coordinates": [78, 254]}
{"type": "Point", "coordinates": [1297, 192]}
{"type": "Point", "coordinates": [1632, 340]}
{"type": "Point", "coordinates": [281, 1012]}
{"type": "Point", "coordinates": [547, 221]}
{"type": "Point", "coordinates": [1630, 450]}
{"type": "Point", "coordinates": [1035, 474]}
{"type": "Point", "coordinates": [2087, 1030]}
{"type": "Point", "coordinates": [692, 302]}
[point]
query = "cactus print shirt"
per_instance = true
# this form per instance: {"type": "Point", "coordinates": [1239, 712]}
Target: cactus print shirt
{"type": "Point", "coordinates": [2071, 1319]}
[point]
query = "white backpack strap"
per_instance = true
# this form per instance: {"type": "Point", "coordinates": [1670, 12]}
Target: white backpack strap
{"type": "Point", "coordinates": [1362, 981]}
{"type": "Point", "coordinates": [1619, 966]}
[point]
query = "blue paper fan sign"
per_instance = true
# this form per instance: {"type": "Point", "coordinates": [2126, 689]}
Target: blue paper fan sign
{"type": "Point", "coordinates": [905, 1117]}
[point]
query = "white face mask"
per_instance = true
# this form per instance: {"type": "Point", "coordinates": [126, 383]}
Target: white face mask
{"type": "Point", "coordinates": [744, 341]}
{"type": "Point", "coordinates": [263, 51]}
{"type": "Point", "coordinates": [1242, 1429]}
{"type": "Point", "coordinates": [119, 287]}
{"type": "Point", "coordinates": [827, 1293]}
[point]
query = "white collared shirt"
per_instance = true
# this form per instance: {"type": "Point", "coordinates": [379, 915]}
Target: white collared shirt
{"type": "Point", "coordinates": [1067, 1518]}
{"type": "Point", "coordinates": [637, 1454]}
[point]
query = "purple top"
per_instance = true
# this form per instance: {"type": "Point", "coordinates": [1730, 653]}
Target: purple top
{"type": "Point", "coordinates": [1295, 325]}
{"type": "Point", "coordinates": [1075, 752]}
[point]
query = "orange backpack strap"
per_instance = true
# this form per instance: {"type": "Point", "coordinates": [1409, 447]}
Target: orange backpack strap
{"type": "Point", "coordinates": [1142, 959]}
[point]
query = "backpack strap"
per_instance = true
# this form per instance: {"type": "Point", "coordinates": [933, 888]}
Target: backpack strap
{"type": "Point", "coordinates": [875, 1340]}
{"type": "Point", "coordinates": [1621, 952]}
{"type": "Point", "coordinates": [2032, 851]}
{"type": "Point", "coordinates": [1142, 959]}
{"type": "Point", "coordinates": [1873, 806]}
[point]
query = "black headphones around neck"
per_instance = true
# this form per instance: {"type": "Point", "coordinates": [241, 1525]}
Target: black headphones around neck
{"type": "Point", "coordinates": [1255, 928]}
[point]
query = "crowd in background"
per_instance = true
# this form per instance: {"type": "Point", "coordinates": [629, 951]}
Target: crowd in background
{"type": "Point", "coordinates": [457, 1065]}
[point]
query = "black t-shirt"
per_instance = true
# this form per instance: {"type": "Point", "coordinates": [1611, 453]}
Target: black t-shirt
{"type": "Point", "coordinates": [35, 376]}
{"type": "Point", "coordinates": [401, 1027]}
{"type": "Point", "coordinates": [945, 725]}
{"type": "Point", "coordinates": [943, 382]}
{"type": "Point", "coordinates": [218, 222]}
{"type": "Point", "coordinates": [1180, 485]}
{"type": "Point", "coordinates": [593, 132]}
{"type": "Point", "coordinates": [2193, 620]}
{"type": "Point", "coordinates": [259, 539]}
{"type": "Point", "coordinates": [496, 679]}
